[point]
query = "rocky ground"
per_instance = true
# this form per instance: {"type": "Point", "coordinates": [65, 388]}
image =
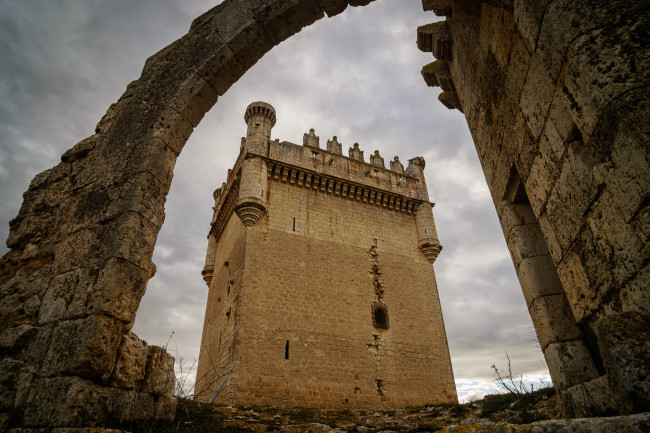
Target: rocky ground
{"type": "Point", "coordinates": [499, 413]}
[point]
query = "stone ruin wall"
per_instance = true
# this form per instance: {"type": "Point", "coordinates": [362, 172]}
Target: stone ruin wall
{"type": "Point", "coordinates": [556, 97]}
{"type": "Point", "coordinates": [555, 94]}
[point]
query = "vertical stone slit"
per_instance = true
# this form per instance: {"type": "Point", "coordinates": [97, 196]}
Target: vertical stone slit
{"type": "Point", "coordinates": [286, 350]}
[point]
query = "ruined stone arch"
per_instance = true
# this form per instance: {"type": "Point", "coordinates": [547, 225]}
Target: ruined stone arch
{"type": "Point", "coordinates": [83, 240]}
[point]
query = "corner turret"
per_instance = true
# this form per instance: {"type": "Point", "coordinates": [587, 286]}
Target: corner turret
{"type": "Point", "coordinates": [260, 118]}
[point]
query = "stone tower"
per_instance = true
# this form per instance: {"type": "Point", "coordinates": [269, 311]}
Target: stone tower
{"type": "Point", "coordinates": [321, 285]}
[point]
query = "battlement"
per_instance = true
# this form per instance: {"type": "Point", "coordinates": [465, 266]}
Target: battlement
{"type": "Point", "coordinates": [325, 164]}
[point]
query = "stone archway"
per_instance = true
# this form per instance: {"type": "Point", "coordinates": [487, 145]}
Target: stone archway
{"type": "Point", "coordinates": [559, 133]}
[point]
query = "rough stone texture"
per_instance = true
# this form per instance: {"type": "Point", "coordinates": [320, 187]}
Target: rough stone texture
{"type": "Point", "coordinates": [562, 133]}
{"type": "Point", "coordinates": [566, 108]}
{"type": "Point", "coordinates": [590, 398]}
{"type": "Point", "coordinates": [632, 423]}
{"type": "Point", "coordinates": [626, 353]}
{"type": "Point", "coordinates": [297, 335]}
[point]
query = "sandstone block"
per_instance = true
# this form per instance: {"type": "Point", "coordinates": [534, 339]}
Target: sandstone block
{"type": "Point", "coordinates": [67, 297]}
{"type": "Point", "coordinates": [165, 407]}
{"type": "Point", "coordinates": [517, 68]}
{"type": "Point", "coordinates": [551, 240]}
{"type": "Point", "coordinates": [579, 292]}
{"type": "Point", "coordinates": [538, 277]}
{"type": "Point", "coordinates": [536, 96]}
{"type": "Point", "coordinates": [526, 241]}
{"type": "Point", "coordinates": [131, 405]}
{"type": "Point", "coordinates": [76, 250]}
{"type": "Point", "coordinates": [553, 320]}
{"type": "Point", "coordinates": [515, 214]}
{"type": "Point", "coordinates": [130, 237]}
{"type": "Point", "coordinates": [569, 363]}
{"type": "Point", "coordinates": [635, 296]}
{"type": "Point", "coordinates": [625, 346]}
{"type": "Point", "coordinates": [155, 157]}
{"type": "Point", "coordinates": [542, 177]}
{"type": "Point", "coordinates": [16, 337]}
{"type": "Point", "coordinates": [573, 193]}
{"type": "Point", "coordinates": [590, 64]}
{"type": "Point", "coordinates": [593, 398]}
{"type": "Point", "coordinates": [528, 17]}
{"type": "Point", "coordinates": [130, 364]}
{"type": "Point", "coordinates": [119, 289]}
{"type": "Point", "coordinates": [66, 402]}
{"type": "Point", "coordinates": [160, 378]}
{"type": "Point", "coordinates": [84, 347]}
{"type": "Point", "coordinates": [617, 240]}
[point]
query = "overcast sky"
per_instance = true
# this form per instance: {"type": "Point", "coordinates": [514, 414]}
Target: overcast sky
{"type": "Point", "coordinates": [356, 76]}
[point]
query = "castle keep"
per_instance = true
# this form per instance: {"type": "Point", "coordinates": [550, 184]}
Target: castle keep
{"type": "Point", "coordinates": [322, 291]}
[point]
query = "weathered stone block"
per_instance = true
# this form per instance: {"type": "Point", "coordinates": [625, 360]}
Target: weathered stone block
{"type": "Point", "coordinates": [159, 378]}
{"type": "Point", "coordinates": [132, 405]}
{"type": "Point", "coordinates": [332, 7]}
{"type": "Point", "coordinates": [130, 364]}
{"type": "Point", "coordinates": [579, 292]}
{"type": "Point", "coordinates": [15, 337]}
{"type": "Point", "coordinates": [538, 277]}
{"type": "Point", "coordinates": [569, 363]}
{"type": "Point", "coordinates": [625, 346]}
{"type": "Point", "coordinates": [67, 296]}
{"type": "Point", "coordinates": [131, 237]}
{"type": "Point", "coordinates": [593, 398]}
{"type": "Point", "coordinates": [542, 177]}
{"type": "Point", "coordinates": [526, 241]}
{"type": "Point", "coordinates": [66, 402]}
{"type": "Point", "coordinates": [165, 407]}
{"type": "Point", "coordinates": [627, 176]}
{"type": "Point", "coordinates": [308, 12]}
{"type": "Point", "coordinates": [551, 241]}
{"type": "Point", "coordinates": [617, 240]}
{"type": "Point", "coordinates": [573, 193]}
{"type": "Point", "coordinates": [635, 296]}
{"type": "Point", "coordinates": [515, 214]}
{"type": "Point", "coordinates": [517, 68]}
{"type": "Point", "coordinates": [119, 289]}
{"type": "Point", "coordinates": [598, 70]}
{"type": "Point", "coordinates": [75, 251]}
{"type": "Point", "coordinates": [84, 347]}
{"type": "Point", "coordinates": [529, 16]}
{"type": "Point", "coordinates": [553, 320]}
{"type": "Point", "coordinates": [536, 96]}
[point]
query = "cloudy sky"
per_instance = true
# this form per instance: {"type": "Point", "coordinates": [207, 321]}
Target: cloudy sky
{"type": "Point", "coordinates": [356, 76]}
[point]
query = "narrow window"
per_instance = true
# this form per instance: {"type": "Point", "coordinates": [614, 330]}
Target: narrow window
{"type": "Point", "coordinates": [286, 350]}
{"type": "Point", "coordinates": [294, 224]}
{"type": "Point", "coordinates": [379, 315]}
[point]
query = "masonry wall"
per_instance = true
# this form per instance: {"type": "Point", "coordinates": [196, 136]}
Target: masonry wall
{"type": "Point", "coordinates": [561, 132]}
{"type": "Point", "coordinates": [304, 309]}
